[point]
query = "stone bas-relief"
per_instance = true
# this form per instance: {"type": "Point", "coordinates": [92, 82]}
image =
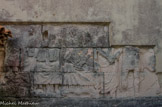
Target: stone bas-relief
{"type": "Point", "coordinates": [131, 74]}
{"type": "Point", "coordinates": [42, 59]}
{"type": "Point", "coordinates": [76, 78]}
{"type": "Point", "coordinates": [73, 35]}
{"type": "Point", "coordinates": [47, 84]}
{"type": "Point", "coordinates": [17, 84]}
{"type": "Point", "coordinates": [93, 72]}
{"type": "Point", "coordinates": [75, 60]}
{"type": "Point", "coordinates": [80, 84]}
{"type": "Point", "coordinates": [57, 84]}
{"type": "Point", "coordinates": [107, 60]}
{"type": "Point", "coordinates": [24, 36]}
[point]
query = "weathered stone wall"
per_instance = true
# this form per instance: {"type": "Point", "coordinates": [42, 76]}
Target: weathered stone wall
{"type": "Point", "coordinates": [82, 48]}
{"type": "Point", "coordinates": [75, 60]}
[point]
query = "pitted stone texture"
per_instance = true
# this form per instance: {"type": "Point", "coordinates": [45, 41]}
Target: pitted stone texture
{"type": "Point", "coordinates": [47, 78]}
{"type": "Point", "coordinates": [132, 24]}
{"type": "Point", "coordinates": [148, 60]}
{"type": "Point", "coordinates": [47, 84]}
{"type": "Point", "coordinates": [80, 84]}
{"type": "Point", "coordinates": [126, 71]}
{"type": "Point", "coordinates": [108, 60]}
{"type": "Point", "coordinates": [42, 59]}
{"type": "Point", "coordinates": [77, 59]}
{"type": "Point", "coordinates": [25, 36]}
{"type": "Point", "coordinates": [105, 57]}
{"type": "Point", "coordinates": [130, 63]}
{"type": "Point", "coordinates": [74, 35]}
{"type": "Point", "coordinates": [17, 84]}
{"type": "Point", "coordinates": [149, 84]}
{"type": "Point", "coordinates": [14, 57]}
{"type": "Point", "coordinates": [145, 66]}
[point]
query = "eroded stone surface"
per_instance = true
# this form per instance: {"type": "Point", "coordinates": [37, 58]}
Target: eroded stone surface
{"type": "Point", "coordinates": [130, 63]}
{"type": "Point", "coordinates": [107, 60]}
{"type": "Point", "coordinates": [77, 59]}
{"type": "Point", "coordinates": [72, 60]}
{"type": "Point", "coordinates": [73, 35]}
{"type": "Point", "coordinates": [47, 78]}
{"type": "Point", "coordinates": [80, 84]}
{"type": "Point", "coordinates": [17, 84]}
{"type": "Point", "coordinates": [42, 59]}
{"type": "Point", "coordinates": [25, 36]}
{"type": "Point", "coordinates": [47, 84]}
{"type": "Point", "coordinates": [126, 71]}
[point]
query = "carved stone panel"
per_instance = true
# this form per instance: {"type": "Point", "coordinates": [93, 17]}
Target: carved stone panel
{"type": "Point", "coordinates": [81, 84]}
{"type": "Point", "coordinates": [14, 58]}
{"type": "Point", "coordinates": [47, 84]}
{"type": "Point", "coordinates": [73, 35]}
{"type": "Point", "coordinates": [127, 71]}
{"type": "Point", "coordinates": [42, 59]}
{"type": "Point", "coordinates": [16, 84]}
{"type": "Point", "coordinates": [148, 80]}
{"type": "Point", "coordinates": [108, 61]}
{"type": "Point", "coordinates": [77, 59]}
{"type": "Point", "coordinates": [25, 36]}
{"type": "Point", "coordinates": [138, 77]}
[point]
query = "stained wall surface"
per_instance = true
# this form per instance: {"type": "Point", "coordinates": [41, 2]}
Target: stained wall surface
{"type": "Point", "coordinates": [82, 48]}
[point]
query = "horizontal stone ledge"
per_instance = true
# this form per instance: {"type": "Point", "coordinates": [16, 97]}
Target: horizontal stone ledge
{"type": "Point", "coordinates": [84, 102]}
{"type": "Point", "coordinates": [52, 23]}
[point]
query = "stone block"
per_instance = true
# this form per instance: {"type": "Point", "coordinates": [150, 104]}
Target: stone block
{"type": "Point", "coordinates": [80, 84]}
{"type": "Point", "coordinates": [16, 84]}
{"type": "Point", "coordinates": [138, 70]}
{"type": "Point", "coordinates": [74, 35]}
{"type": "Point", "coordinates": [41, 56]}
{"type": "Point", "coordinates": [126, 71]}
{"type": "Point", "coordinates": [106, 59]}
{"type": "Point", "coordinates": [47, 78]}
{"type": "Point", "coordinates": [24, 36]}
{"type": "Point", "coordinates": [42, 59]}
{"type": "Point", "coordinates": [31, 52]}
{"type": "Point", "coordinates": [53, 55]}
{"type": "Point", "coordinates": [47, 84]}
{"type": "Point", "coordinates": [14, 57]}
{"type": "Point", "coordinates": [130, 63]}
{"type": "Point", "coordinates": [77, 59]}
{"type": "Point", "coordinates": [130, 25]}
